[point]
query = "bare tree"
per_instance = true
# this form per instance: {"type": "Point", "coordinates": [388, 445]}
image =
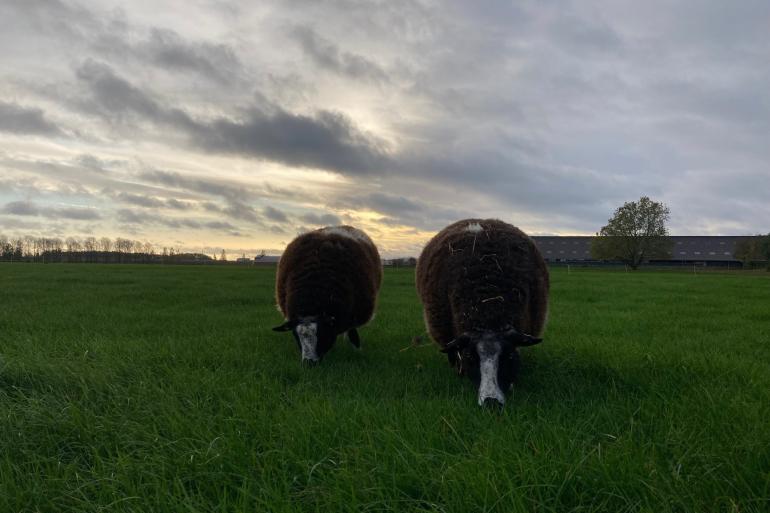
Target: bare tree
{"type": "Point", "coordinates": [105, 244]}
{"type": "Point", "coordinates": [72, 244]}
{"type": "Point", "coordinates": [89, 244]}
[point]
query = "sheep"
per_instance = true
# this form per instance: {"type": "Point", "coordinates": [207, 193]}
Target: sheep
{"type": "Point", "coordinates": [484, 289]}
{"type": "Point", "coordinates": [326, 284]}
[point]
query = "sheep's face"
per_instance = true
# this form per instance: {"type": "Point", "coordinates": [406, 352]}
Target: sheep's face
{"type": "Point", "coordinates": [490, 359]}
{"type": "Point", "coordinates": [314, 336]}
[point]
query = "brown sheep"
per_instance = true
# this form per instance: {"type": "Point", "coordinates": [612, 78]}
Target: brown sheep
{"type": "Point", "coordinates": [326, 284]}
{"type": "Point", "coordinates": [484, 288]}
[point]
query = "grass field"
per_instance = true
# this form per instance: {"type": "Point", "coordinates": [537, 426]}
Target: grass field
{"type": "Point", "coordinates": [130, 388]}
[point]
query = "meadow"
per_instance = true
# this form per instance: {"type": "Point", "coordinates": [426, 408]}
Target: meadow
{"type": "Point", "coordinates": [162, 388]}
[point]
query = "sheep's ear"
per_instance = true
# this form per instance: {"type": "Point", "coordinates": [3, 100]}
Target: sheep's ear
{"type": "Point", "coordinates": [520, 339]}
{"type": "Point", "coordinates": [354, 338]}
{"type": "Point", "coordinates": [457, 344]}
{"type": "Point", "coordinates": [286, 326]}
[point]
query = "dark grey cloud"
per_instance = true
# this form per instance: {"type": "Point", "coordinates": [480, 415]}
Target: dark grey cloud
{"type": "Point", "coordinates": [179, 205]}
{"type": "Point", "coordinates": [239, 210]}
{"type": "Point", "coordinates": [170, 51]}
{"type": "Point", "coordinates": [274, 214]}
{"type": "Point", "coordinates": [111, 35]}
{"type": "Point", "coordinates": [321, 219]}
{"type": "Point", "coordinates": [205, 186]}
{"type": "Point", "coordinates": [21, 208]}
{"type": "Point", "coordinates": [95, 163]}
{"type": "Point", "coordinates": [138, 199]}
{"type": "Point", "coordinates": [64, 19]}
{"type": "Point", "coordinates": [82, 214]}
{"type": "Point", "coordinates": [113, 96]}
{"type": "Point", "coordinates": [14, 223]}
{"type": "Point", "coordinates": [235, 209]}
{"type": "Point", "coordinates": [328, 140]}
{"type": "Point", "coordinates": [403, 211]}
{"type": "Point", "coordinates": [219, 225]}
{"type": "Point", "coordinates": [128, 216]}
{"type": "Point", "coordinates": [17, 119]}
{"type": "Point", "coordinates": [146, 201]}
{"type": "Point", "coordinates": [328, 56]}
{"type": "Point", "coordinates": [28, 208]}
{"type": "Point", "coordinates": [133, 217]}
{"type": "Point", "coordinates": [389, 203]}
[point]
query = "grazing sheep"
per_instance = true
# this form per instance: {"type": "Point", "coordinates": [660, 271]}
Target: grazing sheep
{"type": "Point", "coordinates": [326, 284]}
{"type": "Point", "coordinates": [484, 288]}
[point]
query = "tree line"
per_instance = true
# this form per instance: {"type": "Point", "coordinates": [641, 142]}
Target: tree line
{"type": "Point", "coordinates": [93, 250]}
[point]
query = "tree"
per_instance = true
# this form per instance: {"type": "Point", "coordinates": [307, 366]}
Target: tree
{"type": "Point", "coordinates": [749, 249]}
{"type": "Point", "coordinates": [223, 256]}
{"type": "Point", "coordinates": [765, 249]}
{"type": "Point", "coordinates": [635, 232]}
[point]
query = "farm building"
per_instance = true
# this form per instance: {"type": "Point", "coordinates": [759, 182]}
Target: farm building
{"type": "Point", "coordinates": [695, 249]}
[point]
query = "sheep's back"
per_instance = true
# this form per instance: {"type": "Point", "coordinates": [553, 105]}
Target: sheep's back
{"type": "Point", "coordinates": [329, 272]}
{"type": "Point", "coordinates": [488, 276]}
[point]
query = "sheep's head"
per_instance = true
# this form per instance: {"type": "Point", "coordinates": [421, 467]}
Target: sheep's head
{"type": "Point", "coordinates": [490, 359]}
{"type": "Point", "coordinates": [314, 336]}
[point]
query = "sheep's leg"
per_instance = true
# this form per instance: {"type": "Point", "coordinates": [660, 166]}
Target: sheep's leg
{"type": "Point", "coordinates": [354, 338]}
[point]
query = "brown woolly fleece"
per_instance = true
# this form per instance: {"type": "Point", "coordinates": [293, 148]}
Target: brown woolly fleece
{"type": "Point", "coordinates": [333, 271]}
{"type": "Point", "coordinates": [482, 279]}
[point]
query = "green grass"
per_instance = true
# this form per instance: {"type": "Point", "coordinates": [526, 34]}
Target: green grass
{"type": "Point", "coordinates": [130, 388]}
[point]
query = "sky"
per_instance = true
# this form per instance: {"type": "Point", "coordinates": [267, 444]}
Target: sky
{"type": "Point", "coordinates": [216, 124]}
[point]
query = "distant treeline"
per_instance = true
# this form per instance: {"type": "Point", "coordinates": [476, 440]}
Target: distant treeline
{"type": "Point", "coordinates": [92, 250]}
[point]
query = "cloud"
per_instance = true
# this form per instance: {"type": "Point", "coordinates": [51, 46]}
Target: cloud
{"type": "Point", "coordinates": [424, 113]}
{"type": "Point", "coordinates": [133, 217]}
{"type": "Point", "coordinates": [17, 119]}
{"type": "Point", "coordinates": [128, 216]}
{"type": "Point", "coordinates": [238, 210]}
{"type": "Point", "coordinates": [21, 208]}
{"type": "Point", "coordinates": [111, 35]}
{"type": "Point", "coordinates": [327, 55]}
{"type": "Point", "coordinates": [328, 140]}
{"type": "Point", "coordinates": [169, 50]}
{"type": "Point", "coordinates": [275, 215]}
{"type": "Point", "coordinates": [390, 204]}
{"type": "Point", "coordinates": [27, 208]}
{"type": "Point", "coordinates": [83, 214]}
{"type": "Point", "coordinates": [192, 183]}
{"type": "Point", "coordinates": [219, 225]}
{"type": "Point", "coordinates": [138, 199]}
{"type": "Point", "coordinates": [111, 95]}
{"type": "Point", "coordinates": [178, 205]}
{"type": "Point", "coordinates": [321, 219]}
{"type": "Point", "coordinates": [94, 163]}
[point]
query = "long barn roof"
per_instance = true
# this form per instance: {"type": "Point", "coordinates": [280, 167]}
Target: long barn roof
{"type": "Point", "coordinates": [686, 247]}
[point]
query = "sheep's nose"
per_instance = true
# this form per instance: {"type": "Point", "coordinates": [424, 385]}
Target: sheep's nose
{"type": "Point", "coordinates": [492, 403]}
{"type": "Point", "coordinates": [307, 362]}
